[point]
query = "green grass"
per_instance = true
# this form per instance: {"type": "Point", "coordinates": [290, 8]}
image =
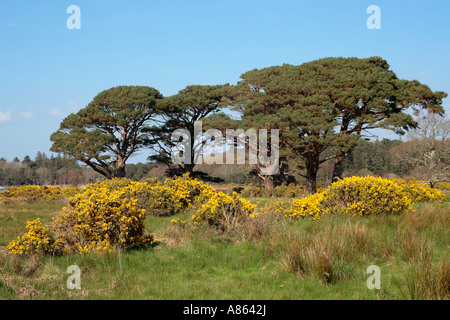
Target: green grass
{"type": "Point", "coordinates": [281, 264]}
{"type": "Point", "coordinates": [13, 218]}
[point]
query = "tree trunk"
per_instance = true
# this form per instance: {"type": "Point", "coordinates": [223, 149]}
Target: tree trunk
{"type": "Point", "coordinates": [268, 182]}
{"type": "Point", "coordinates": [189, 168]}
{"type": "Point", "coordinates": [284, 177]}
{"type": "Point", "coordinates": [312, 166]}
{"type": "Point", "coordinates": [311, 186]}
{"type": "Point", "coordinates": [337, 170]}
{"type": "Point", "coordinates": [120, 172]}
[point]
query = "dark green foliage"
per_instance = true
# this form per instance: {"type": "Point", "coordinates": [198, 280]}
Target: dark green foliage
{"type": "Point", "coordinates": [372, 155]}
{"type": "Point", "coordinates": [181, 111]}
{"type": "Point", "coordinates": [43, 170]}
{"type": "Point", "coordinates": [108, 131]}
{"type": "Point", "coordinates": [326, 104]}
{"type": "Point", "coordinates": [138, 171]}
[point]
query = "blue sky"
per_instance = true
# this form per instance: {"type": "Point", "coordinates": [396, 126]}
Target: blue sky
{"type": "Point", "coordinates": [48, 71]}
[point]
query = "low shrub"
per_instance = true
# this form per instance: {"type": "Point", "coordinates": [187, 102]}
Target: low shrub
{"type": "Point", "coordinates": [29, 194]}
{"type": "Point", "coordinates": [420, 191]}
{"type": "Point", "coordinates": [306, 207]}
{"type": "Point", "coordinates": [221, 210]}
{"type": "Point", "coordinates": [309, 206]}
{"type": "Point", "coordinates": [442, 186]}
{"type": "Point", "coordinates": [97, 220]}
{"type": "Point", "coordinates": [159, 199]}
{"type": "Point", "coordinates": [350, 196]}
{"type": "Point", "coordinates": [278, 209]}
{"type": "Point", "coordinates": [37, 239]}
{"type": "Point", "coordinates": [366, 196]}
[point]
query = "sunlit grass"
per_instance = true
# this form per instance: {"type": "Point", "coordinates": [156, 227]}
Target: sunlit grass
{"type": "Point", "coordinates": [205, 265]}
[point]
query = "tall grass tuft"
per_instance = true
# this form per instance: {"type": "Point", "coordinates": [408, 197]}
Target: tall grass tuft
{"type": "Point", "coordinates": [428, 282]}
{"type": "Point", "coordinates": [414, 246]}
{"type": "Point", "coordinates": [322, 253]}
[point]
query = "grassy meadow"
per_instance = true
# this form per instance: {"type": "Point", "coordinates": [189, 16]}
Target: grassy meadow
{"type": "Point", "coordinates": [276, 259]}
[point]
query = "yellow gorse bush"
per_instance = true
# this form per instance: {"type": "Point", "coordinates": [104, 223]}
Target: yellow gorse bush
{"type": "Point", "coordinates": [214, 208]}
{"type": "Point", "coordinates": [161, 199]}
{"type": "Point", "coordinates": [366, 196]}
{"type": "Point", "coordinates": [104, 219]}
{"type": "Point", "coordinates": [29, 194]}
{"type": "Point", "coordinates": [307, 207]}
{"type": "Point", "coordinates": [98, 220]}
{"type": "Point", "coordinates": [110, 214]}
{"type": "Point", "coordinates": [222, 208]}
{"type": "Point", "coordinates": [277, 208]}
{"type": "Point", "coordinates": [37, 239]}
{"type": "Point", "coordinates": [420, 191]}
{"type": "Point", "coordinates": [155, 198]}
{"type": "Point", "coordinates": [360, 196]}
{"type": "Point", "coordinates": [442, 186]}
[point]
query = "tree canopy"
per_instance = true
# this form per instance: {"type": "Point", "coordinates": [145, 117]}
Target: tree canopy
{"type": "Point", "coordinates": [321, 109]}
{"type": "Point", "coordinates": [326, 104]}
{"type": "Point", "coordinates": [182, 111]}
{"type": "Point", "coordinates": [108, 130]}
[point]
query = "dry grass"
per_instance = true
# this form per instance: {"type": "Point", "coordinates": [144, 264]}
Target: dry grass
{"type": "Point", "coordinates": [327, 249]}
{"type": "Point", "coordinates": [428, 282]}
{"type": "Point", "coordinates": [336, 251]}
{"type": "Point", "coordinates": [413, 245]}
{"type": "Point", "coordinates": [433, 218]}
{"type": "Point", "coordinates": [323, 252]}
{"type": "Point", "coordinates": [229, 229]}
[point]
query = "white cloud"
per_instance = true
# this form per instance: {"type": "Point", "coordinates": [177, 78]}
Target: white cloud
{"type": "Point", "coordinates": [27, 114]}
{"type": "Point", "coordinates": [55, 112]}
{"type": "Point", "coordinates": [5, 117]}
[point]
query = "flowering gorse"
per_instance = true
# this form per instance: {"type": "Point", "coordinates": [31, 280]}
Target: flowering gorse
{"type": "Point", "coordinates": [221, 209]}
{"type": "Point", "coordinates": [442, 186]}
{"type": "Point", "coordinates": [37, 239]}
{"type": "Point", "coordinates": [29, 194]}
{"type": "Point", "coordinates": [213, 208]}
{"type": "Point", "coordinates": [112, 213]}
{"type": "Point", "coordinates": [307, 207]}
{"type": "Point", "coordinates": [97, 220]}
{"type": "Point", "coordinates": [366, 196]}
{"type": "Point", "coordinates": [420, 191]}
{"type": "Point", "coordinates": [361, 196]}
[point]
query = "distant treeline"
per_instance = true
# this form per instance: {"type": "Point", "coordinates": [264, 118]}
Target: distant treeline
{"type": "Point", "coordinates": [56, 170]}
{"type": "Point", "coordinates": [368, 158]}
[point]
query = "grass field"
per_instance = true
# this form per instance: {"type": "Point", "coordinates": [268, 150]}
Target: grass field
{"type": "Point", "coordinates": [289, 259]}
